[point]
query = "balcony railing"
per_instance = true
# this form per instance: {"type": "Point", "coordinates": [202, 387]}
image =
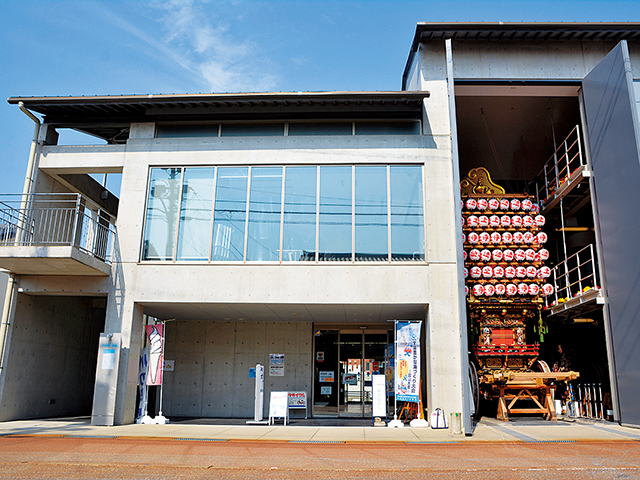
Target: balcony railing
{"type": "Point", "coordinates": [56, 219]}
{"type": "Point", "coordinates": [574, 277]}
{"type": "Point", "coordinates": [567, 160]}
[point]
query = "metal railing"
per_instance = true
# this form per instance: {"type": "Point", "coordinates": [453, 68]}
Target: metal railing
{"type": "Point", "coordinates": [564, 161]}
{"type": "Point", "coordinates": [56, 219]}
{"type": "Point", "coordinates": [574, 276]}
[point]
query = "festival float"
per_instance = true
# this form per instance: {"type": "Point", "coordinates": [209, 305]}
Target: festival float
{"type": "Point", "coordinates": [505, 281]}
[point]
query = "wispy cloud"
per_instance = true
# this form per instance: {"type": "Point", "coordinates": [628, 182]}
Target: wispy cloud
{"type": "Point", "coordinates": [203, 44]}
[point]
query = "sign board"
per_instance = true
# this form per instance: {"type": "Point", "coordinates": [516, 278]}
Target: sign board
{"type": "Point", "coordinates": [379, 396]}
{"type": "Point", "coordinates": [320, 356]}
{"type": "Point", "coordinates": [325, 390]}
{"type": "Point", "coordinates": [278, 406]}
{"type": "Point", "coordinates": [169, 365]}
{"type": "Point", "coordinates": [276, 364]}
{"type": "Point", "coordinates": [350, 378]}
{"type": "Point", "coordinates": [326, 376]}
{"type": "Point", "coordinates": [259, 392]}
{"type": "Point", "coordinates": [298, 400]}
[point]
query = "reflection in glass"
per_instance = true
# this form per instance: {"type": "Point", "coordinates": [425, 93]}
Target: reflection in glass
{"type": "Point", "coordinates": [162, 214]}
{"type": "Point", "coordinates": [335, 214]}
{"type": "Point", "coordinates": [265, 206]}
{"type": "Point", "coordinates": [407, 221]}
{"type": "Point", "coordinates": [371, 214]}
{"type": "Point", "coordinates": [195, 214]}
{"type": "Point", "coordinates": [230, 214]}
{"type": "Point", "coordinates": [299, 233]}
{"type": "Point", "coordinates": [329, 128]}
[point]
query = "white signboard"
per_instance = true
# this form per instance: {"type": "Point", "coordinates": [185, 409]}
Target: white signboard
{"type": "Point", "coordinates": [278, 406]}
{"type": "Point", "coordinates": [259, 393]}
{"type": "Point", "coordinates": [379, 396]}
{"type": "Point", "coordinates": [325, 390]}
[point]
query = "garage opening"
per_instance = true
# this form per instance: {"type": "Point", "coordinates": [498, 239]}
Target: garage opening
{"type": "Point", "coordinates": [530, 138]}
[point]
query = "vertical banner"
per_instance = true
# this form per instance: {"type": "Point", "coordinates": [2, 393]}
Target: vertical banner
{"type": "Point", "coordinates": [408, 361]}
{"type": "Point", "coordinates": [156, 353]}
{"type": "Point", "coordinates": [143, 370]}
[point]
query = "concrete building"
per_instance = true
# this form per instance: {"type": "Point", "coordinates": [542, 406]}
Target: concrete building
{"type": "Point", "coordinates": [301, 224]}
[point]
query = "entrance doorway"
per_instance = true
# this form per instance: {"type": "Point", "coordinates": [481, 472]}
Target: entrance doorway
{"type": "Point", "coordinates": [345, 360]}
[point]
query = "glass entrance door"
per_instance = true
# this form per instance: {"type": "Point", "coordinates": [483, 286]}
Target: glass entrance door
{"type": "Point", "coordinates": [345, 361]}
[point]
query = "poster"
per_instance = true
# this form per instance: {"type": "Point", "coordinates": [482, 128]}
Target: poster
{"type": "Point", "coordinates": [408, 361]}
{"type": "Point", "coordinates": [276, 364]}
{"type": "Point", "coordinates": [156, 353]}
{"type": "Point", "coordinates": [325, 390]}
{"type": "Point", "coordinates": [350, 378]}
{"type": "Point", "coordinates": [326, 376]}
{"type": "Point", "coordinates": [108, 358]}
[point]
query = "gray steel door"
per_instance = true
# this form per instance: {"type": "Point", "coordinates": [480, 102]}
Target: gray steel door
{"type": "Point", "coordinates": [612, 130]}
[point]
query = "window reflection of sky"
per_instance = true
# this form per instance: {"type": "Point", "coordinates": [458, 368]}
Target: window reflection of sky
{"type": "Point", "coordinates": [343, 230]}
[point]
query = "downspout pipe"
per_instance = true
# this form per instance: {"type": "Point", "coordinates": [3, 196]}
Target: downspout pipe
{"type": "Point", "coordinates": [26, 190]}
{"type": "Point", "coordinates": [28, 179]}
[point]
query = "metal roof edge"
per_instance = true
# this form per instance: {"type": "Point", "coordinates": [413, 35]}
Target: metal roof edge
{"type": "Point", "coordinates": [204, 97]}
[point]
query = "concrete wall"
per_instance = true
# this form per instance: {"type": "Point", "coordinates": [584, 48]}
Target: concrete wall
{"type": "Point", "coordinates": [212, 361]}
{"type": "Point", "coordinates": [134, 283]}
{"type": "Point", "coordinates": [543, 60]}
{"type": "Point", "coordinates": [53, 345]}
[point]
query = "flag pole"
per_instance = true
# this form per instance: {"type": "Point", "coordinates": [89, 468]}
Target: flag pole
{"type": "Point", "coordinates": [395, 423]}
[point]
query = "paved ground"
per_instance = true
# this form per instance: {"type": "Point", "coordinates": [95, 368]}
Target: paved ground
{"type": "Point", "coordinates": [520, 449]}
{"type": "Point", "coordinates": [45, 457]}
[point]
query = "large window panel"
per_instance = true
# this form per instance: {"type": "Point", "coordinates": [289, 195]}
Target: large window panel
{"type": "Point", "coordinates": [407, 219]}
{"type": "Point", "coordinates": [335, 214]}
{"type": "Point", "coordinates": [299, 231]}
{"type": "Point", "coordinates": [195, 214]}
{"type": "Point", "coordinates": [230, 214]}
{"type": "Point", "coordinates": [162, 214]}
{"type": "Point", "coordinates": [372, 220]}
{"type": "Point", "coordinates": [265, 207]}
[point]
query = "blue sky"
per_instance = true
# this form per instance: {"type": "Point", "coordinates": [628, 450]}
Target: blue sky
{"type": "Point", "coordinates": [87, 47]}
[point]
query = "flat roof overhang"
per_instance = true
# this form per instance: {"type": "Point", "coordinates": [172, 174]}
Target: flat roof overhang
{"type": "Point", "coordinates": [109, 117]}
{"type": "Point", "coordinates": [520, 31]}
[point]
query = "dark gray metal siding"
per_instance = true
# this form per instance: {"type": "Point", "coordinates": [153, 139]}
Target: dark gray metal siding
{"type": "Point", "coordinates": [613, 139]}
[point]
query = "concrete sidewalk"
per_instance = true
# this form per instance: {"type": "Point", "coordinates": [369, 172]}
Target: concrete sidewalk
{"type": "Point", "coordinates": [485, 430]}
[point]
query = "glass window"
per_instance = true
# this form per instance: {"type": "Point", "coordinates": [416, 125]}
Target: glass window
{"type": "Point", "coordinates": [387, 128]}
{"type": "Point", "coordinates": [230, 214]}
{"type": "Point", "coordinates": [195, 214]}
{"type": "Point", "coordinates": [173, 131]}
{"type": "Point", "coordinates": [253, 130]}
{"type": "Point", "coordinates": [299, 233]}
{"type": "Point", "coordinates": [162, 214]}
{"type": "Point", "coordinates": [335, 214]}
{"type": "Point", "coordinates": [407, 220]}
{"type": "Point", "coordinates": [265, 207]}
{"type": "Point", "coordinates": [372, 232]}
{"type": "Point", "coordinates": [342, 128]}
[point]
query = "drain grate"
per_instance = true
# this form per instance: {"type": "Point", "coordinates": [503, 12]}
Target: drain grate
{"type": "Point", "coordinates": [202, 439]}
{"type": "Point", "coordinates": [433, 441]}
{"type": "Point", "coordinates": [549, 441]}
{"type": "Point", "coordinates": [316, 441]}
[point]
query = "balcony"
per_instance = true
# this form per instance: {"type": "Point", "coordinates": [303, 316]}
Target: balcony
{"type": "Point", "coordinates": [576, 284]}
{"type": "Point", "coordinates": [55, 234]}
{"type": "Point", "coordinates": [564, 171]}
